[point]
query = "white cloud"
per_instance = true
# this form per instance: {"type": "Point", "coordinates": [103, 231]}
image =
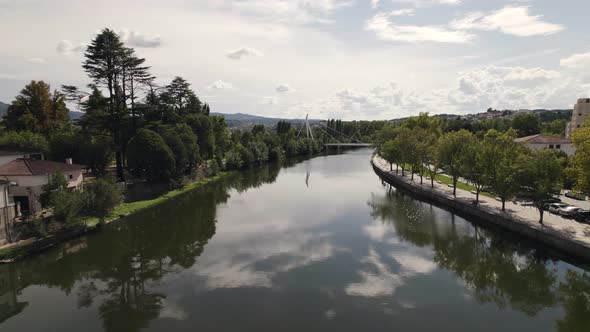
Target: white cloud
{"type": "Point", "coordinates": [512, 20]}
{"type": "Point", "coordinates": [268, 101]}
{"type": "Point", "coordinates": [220, 85]}
{"type": "Point", "coordinates": [403, 12]}
{"type": "Point", "coordinates": [385, 29]}
{"type": "Point", "coordinates": [136, 39]}
{"type": "Point", "coordinates": [473, 90]}
{"type": "Point", "coordinates": [37, 60]}
{"type": "Point", "coordinates": [428, 3]}
{"type": "Point", "coordinates": [288, 11]}
{"type": "Point", "coordinates": [66, 47]}
{"type": "Point", "coordinates": [379, 282]}
{"type": "Point", "coordinates": [284, 88]}
{"type": "Point", "coordinates": [243, 52]}
{"type": "Point", "coordinates": [576, 60]}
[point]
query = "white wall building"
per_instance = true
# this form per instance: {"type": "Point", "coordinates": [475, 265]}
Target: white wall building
{"type": "Point", "coordinates": [28, 176]}
{"type": "Point", "coordinates": [579, 115]}
{"type": "Point", "coordinates": [548, 142]}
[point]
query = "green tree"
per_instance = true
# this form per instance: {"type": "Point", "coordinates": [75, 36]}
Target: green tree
{"type": "Point", "coordinates": [101, 197]}
{"type": "Point", "coordinates": [104, 60]}
{"type": "Point", "coordinates": [540, 177]}
{"type": "Point", "coordinates": [38, 110]}
{"type": "Point", "coordinates": [57, 182]}
{"type": "Point", "coordinates": [451, 151]}
{"type": "Point", "coordinates": [502, 168]}
{"type": "Point", "coordinates": [579, 166]}
{"type": "Point", "coordinates": [390, 152]}
{"type": "Point", "coordinates": [473, 164]}
{"type": "Point", "coordinates": [24, 140]}
{"type": "Point", "coordinates": [149, 156]}
{"type": "Point", "coordinates": [526, 124]}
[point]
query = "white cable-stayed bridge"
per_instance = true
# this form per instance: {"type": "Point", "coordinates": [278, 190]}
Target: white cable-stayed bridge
{"type": "Point", "coordinates": [325, 128]}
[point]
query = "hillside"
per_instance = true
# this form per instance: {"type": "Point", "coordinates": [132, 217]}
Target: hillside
{"type": "Point", "coordinates": [241, 120]}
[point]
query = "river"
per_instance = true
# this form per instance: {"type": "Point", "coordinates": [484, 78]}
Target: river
{"type": "Point", "coordinates": [318, 245]}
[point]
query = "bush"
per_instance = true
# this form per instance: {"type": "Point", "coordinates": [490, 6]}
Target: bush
{"type": "Point", "coordinates": [148, 156]}
{"type": "Point", "coordinates": [233, 160]}
{"type": "Point", "coordinates": [101, 197]}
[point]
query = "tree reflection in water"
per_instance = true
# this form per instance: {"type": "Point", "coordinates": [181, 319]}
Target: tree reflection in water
{"type": "Point", "coordinates": [498, 267]}
{"type": "Point", "coordinates": [120, 266]}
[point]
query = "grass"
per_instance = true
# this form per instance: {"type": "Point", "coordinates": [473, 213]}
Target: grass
{"type": "Point", "coordinates": [461, 185]}
{"type": "Point", "coordinates": [125, 209]}
{"type": "Point", "coordinates": [448, 180]}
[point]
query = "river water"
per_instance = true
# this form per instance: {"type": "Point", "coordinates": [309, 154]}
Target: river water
{"type": "Point", "coordinates": [319, 245]}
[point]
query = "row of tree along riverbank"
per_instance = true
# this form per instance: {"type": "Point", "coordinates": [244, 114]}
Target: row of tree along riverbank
{"type": "Point", "coordinates": [536, 232]}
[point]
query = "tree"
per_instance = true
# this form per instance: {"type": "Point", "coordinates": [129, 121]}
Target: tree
{"type": "Point", "coordinates": [179, 100]}
{"type": "Point", "coordinates": [526, 124]}
{"type": "Point", "coordinates": [24, 140]}
{"type": "Point", "coordinates": [65, 204]}
{"type": "Point", "coordinates": [540, 177]}
{"type": "Point", "coordinates": [38, 110]}
{"type": "Point", "coordinates": [105, 58]}
{"type": "Point", "coordinates": [473, 164]}
{"type": "Point", "coordinates": [57, 182]}
{"type": "Point", "coordinates": [101, 197]}
{"type": "Point", "coordinates": [390, 152]}
{"type": "Point", "coordinates": [148, 156]}
{"type": "Point", "coordinates": [502, 168]}
{"type": "Point", "coordinates": [580, 163]}
{"type": "Point", "coordinates": [451, 151]}
{"type": "Point", "coordinates": [283, 127]}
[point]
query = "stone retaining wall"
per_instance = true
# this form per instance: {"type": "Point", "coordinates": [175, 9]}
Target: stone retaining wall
{"type": "Point", "coordinates": [465, 207]}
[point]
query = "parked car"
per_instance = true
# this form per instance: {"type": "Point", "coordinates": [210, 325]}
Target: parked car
{"type": "Point", "coordinates": [575, 195]}
{"type": "Point", "coordinates": [555, 207]}
{"type": "Point", "coordinates": [582, 216]}
{"type": "Point", "coordinates": [569, 211]}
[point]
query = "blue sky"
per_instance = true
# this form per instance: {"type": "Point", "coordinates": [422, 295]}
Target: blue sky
{"type": "Point", "coordinates": [351, 59]}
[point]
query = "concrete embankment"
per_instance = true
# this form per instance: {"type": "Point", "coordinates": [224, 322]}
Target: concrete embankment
{"type": "Point", "coordinates": [560, 240]}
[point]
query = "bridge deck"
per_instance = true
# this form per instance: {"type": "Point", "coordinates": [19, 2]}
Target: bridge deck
{"type": "Point", "coordinates": [349, 144]}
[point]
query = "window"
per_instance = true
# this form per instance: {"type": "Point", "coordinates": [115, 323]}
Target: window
{"type": "Point", "coordinates": [578, 126]}
{"type": "Point", "coordinates": [551, 146]}
{"type": "Point", "coordinates": [580, 114]}
{"type": "Point", "coordinates": [558, 146]}
{"type": "Point", "coordinates": [71, 176]}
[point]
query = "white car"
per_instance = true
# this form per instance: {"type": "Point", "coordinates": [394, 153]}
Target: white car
{"type": "Point", "coordinates": [569, 211]}
{"type": "Point", "coordinates": [556, 207]}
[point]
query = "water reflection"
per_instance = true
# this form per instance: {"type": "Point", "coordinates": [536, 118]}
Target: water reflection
{"type": "Point", "coordinates": [498, 268]}
{"type": "Point", "coordinates": [261, 251]}
{"type": "Point", "coordinates": [118, 268]}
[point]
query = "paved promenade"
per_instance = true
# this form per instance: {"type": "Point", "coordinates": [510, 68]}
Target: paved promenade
{"type": "Point", "coordinates": [528, 215]}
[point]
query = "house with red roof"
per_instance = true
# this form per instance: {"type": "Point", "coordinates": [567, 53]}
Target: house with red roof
{"type": "Point", "coordinates": [548, 142]}
{"type": "Point", "coordinates": [26, 178]}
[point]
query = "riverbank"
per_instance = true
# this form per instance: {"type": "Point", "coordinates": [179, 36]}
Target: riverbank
{"type": "Point", "coordinates": [24, 248]}
{"type": "Point", "coordinates": [558, 233]}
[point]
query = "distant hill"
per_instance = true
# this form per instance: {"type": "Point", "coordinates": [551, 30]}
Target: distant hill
{"type": "Point", "coordinates": [75, 115]}
{"type": "Point", "coordinates": [241, 120]}
{"type": "Point", "coordinates": [3, 108]}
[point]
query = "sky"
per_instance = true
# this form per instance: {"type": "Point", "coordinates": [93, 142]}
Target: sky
{"type": "Point", "coordinates": [348, 59]}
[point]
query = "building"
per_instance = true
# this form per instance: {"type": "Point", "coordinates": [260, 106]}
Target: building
{"type": "Point", "coordinates": [7, 211]}
{"type": "Point", "coordinates": [8, 155]}
{"type": "Point", "coordinates": [27, 177]}
{"type": "Point", "coordinates": [548, 142]}
{"type": "Point", "coordinates": [579, 115]}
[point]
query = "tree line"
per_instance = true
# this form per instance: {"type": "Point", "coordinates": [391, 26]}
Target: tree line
{"type": "Point", "coordinates": [490, 161]}
{"type": "Point", "coordinates": [149, 131]}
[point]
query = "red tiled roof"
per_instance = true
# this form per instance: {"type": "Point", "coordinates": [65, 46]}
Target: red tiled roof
{"type": "Point", "coordinates": [542, 139]}
{"type": "Point", "coordinates": [27, 167]}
